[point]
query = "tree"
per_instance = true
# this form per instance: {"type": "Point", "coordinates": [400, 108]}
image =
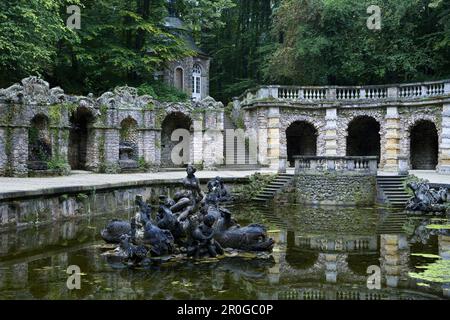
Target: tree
{"type": "Point", "coordinates": [328, 42]}
{"type": "Point", "coordinates": [29, 33]}
{"type": "Point", "coordinates": [236, 46]}
{"type": "Point", "coordinates": [120, 42]}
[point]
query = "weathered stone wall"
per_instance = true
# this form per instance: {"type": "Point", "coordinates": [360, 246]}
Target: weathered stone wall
{"type": "Point", "coordinates": [98, 150]}
{"type": "Point", "coordinates": [332, 189]}
{"type": "Point", "coordinates": [187, 65]}
{"type": "Point", "coordinates": [331, 109]}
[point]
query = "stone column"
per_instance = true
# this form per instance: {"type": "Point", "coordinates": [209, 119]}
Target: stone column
{"type": "Point", "coordinates": [95, 137]}
{"type": "Point", "coordinates": [197, 141]}
{"type": "Point", "coordinates": [111, 140]}
{"type": "Point", "coordinates": [220, 127]}
{"type": "Point", "coordinates": [262, 138]}
{"type": "Point", "coordinates": [279, 255]}
{"type": "Point", "coordinates": [444, 145]}
{"type": "Point", "coordinates": [331, 132]}
{"type": "Point", "coordinates": [330, 267]}
{"type": "Point", "coordinates": [19, 157]}
{"type": "Point", "coordinates": [149, 146]}
{"type": "Point", "coordinates": [213, 140]}
{"type": "Point", "coordinates": [273, 137]}
{"type": "Point", "coordinates": [157, 139]}
{"type": "Point", "coordinates": [394, 253]}
{"type": "Point", "coordinates": [391, 161]}
{"type": "Point", "coordinates": [3, 155]}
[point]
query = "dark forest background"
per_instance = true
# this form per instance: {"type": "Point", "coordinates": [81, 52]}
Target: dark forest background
{"type": "Point", "coordinates": [251, 42]}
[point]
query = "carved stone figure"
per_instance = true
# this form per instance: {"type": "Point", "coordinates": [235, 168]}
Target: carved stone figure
{"type": "Point", "coordinates": [250, 238]}
{"type": "Point", "coordinates": [144, 231]}
{"type": "Point", "coordinates": [166, 220]}
{"type": "Point", "coordinates": [129, 252]}
{"type": "Point", "coordinates": [114, 231]}
{"type": "Point", "coordinates": [192, 183]}
{"type": "Point", "coordinates": [217, 186]}
{"type": "Point", "coordinates": [204, 242]}
{"type": "Point", "coordinates": [426, 199]}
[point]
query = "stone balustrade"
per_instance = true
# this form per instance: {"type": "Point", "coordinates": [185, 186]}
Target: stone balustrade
{"type": "Point", "coordinates": [351, 93]}
{"type": "Point", "coordinates": [366, 165]}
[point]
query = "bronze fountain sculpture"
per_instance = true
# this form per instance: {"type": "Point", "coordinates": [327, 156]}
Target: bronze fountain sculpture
{"type": "Point", "coordinates": [192, 223]}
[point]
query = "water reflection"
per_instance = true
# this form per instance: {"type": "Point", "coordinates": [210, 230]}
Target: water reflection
{"type": "Point", "coordinates": [321, 253]}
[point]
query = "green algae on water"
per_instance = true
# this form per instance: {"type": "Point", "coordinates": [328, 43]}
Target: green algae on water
{"type": "Point", "coordinates": [426, 255]}
{"type": "Point", "coordinates": [438, 272]}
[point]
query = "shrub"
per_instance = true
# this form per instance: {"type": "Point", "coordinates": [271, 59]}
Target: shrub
{"type": "Point", "coordinates": [162, 92]}
{"type": "Point", "coordinates": [59, 165]}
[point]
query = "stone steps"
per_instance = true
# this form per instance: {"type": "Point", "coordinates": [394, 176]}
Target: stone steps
{"type": "Point", "coordinates": [393, 190]}
{"type": "Point", "coordinates": [276, 185]}
{"type": "Point", "coordinates": [270, 215]}
{"type": "Point", "coordinates": [393, 224]}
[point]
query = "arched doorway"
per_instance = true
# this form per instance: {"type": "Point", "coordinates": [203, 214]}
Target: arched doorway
{"type": "Point", "coordinates": [80, 123]}
{"type": "Point", "coordinates": [179, 78]}
{"type": "Point", "coordinates": [128, 145]}
{"type": "Point", "coordinates": [171, 123]}
{"type": "Point", "coordinates": [363, 137]}
{"type": "Point", "coordinates": [39, 143]}
{"type": "Point", "coordinates": [424, 146]}
{"type": "Point", "coordinates": [197, 82]}
{"type": "Point", "coordinates": [301, 140]}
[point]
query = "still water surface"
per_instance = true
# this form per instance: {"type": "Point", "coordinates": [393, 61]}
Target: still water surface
{"type": "Point", "coordinates": [321, 253]}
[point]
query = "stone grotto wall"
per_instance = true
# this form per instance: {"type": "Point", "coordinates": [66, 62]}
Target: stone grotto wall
{"type": "Point", "coordinates": [99, 149]}
{"type": "Point", "coordinates": [320, 189]}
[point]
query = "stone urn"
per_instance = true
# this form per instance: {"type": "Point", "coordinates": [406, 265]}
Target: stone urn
{"type": "Point", "coordinates": [127, 156]}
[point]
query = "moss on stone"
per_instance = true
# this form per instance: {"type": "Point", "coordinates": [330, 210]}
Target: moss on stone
{"type": "Point", "coordinates": [55, 114]}
{"type": "Point", "coordinates": [160, 114]}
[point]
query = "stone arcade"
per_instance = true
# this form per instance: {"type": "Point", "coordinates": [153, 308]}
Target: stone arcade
{"type": "Point", "coordinates": [116, 132]}
{"type": "Point", "coordinates": [407, 126]}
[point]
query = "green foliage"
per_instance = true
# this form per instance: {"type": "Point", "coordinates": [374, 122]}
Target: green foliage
{"type": "Point", "coordinates": [436, 272]}
{"type": "Point", "coordinates": [257, 182]}
{"type": "Point", "coordinates": [59, 165]}
{"type": "Point", "coordinates": [162, 92]}
{"type": "Point", "coordinates": [237, 47]}
{"type": "Point", "coordinates": [328, 42]}
{"type": "Point", "coordinates": [412, 179]}
{"type": "Point", "coordinates": [55, 114]}
{"type": "Point", "coordinates": [143, 165]}
{"type": "Point", "coordinates": [236, 117]}
{"type": "Point", "coordinates": [109, 168]}
{"type": "Point", "coordinates": [203, 16]}
{"type": "Point", "coordinates": [120, 42]}
{"type": "Point", "coordinates": [30, 32]}
{"type": "Point", "coordinates": [81, 197]}
{"type": "Point", "coordinates": [301, 42]}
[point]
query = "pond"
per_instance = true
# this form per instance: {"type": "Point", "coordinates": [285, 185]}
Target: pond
{"type": "Point", "coordinates": [321, 253]}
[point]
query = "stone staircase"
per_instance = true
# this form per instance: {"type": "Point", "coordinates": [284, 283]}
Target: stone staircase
{"type": "Point", "coordinates": [393, 190]}
{"type": "Point", "coordinates": [393, 224]}
{"type": "Point", "coordinates": [277, 184]}
{"type": "Point", "coordinates": [269, 213]}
